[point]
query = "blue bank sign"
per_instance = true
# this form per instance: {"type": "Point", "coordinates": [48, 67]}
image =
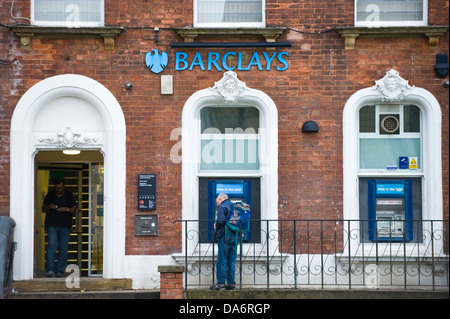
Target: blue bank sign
{"type": "Point", "coordinates": [229, 61]}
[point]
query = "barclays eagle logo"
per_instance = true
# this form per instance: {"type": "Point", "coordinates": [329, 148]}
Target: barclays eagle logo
{"type": "Point", "coordinates": [156, 62]}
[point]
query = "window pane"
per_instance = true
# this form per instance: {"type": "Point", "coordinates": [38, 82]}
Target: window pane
{"type": "Point", "coordinates": [389, 10]}
{"type": "Point", "coordinates": [411, 119]}
{"type": "Point", "coordinates": [229, 138]}
{"type": "Point", "coordinates": [68, 10]}
{"type": "Point", "coordinates": [367, 119]}
{"type": "Point", "coordinates": [220, 153]}
{"type": "Point", "coordinates": [231, 118]}
{"type": "Point", "coordinates": [381, 152]}
{"type": "Point", "coordinates": [215, 11]}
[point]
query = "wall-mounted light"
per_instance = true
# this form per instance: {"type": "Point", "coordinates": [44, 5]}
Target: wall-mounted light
{"type": "Point", "coordinates": [156, 34]}
{"type": "Point", "coordinates": [71, 152]}
{"type": "Point", "coordinates": [441, 67]}
{"type": "Point", "coordinates": [310, 127]}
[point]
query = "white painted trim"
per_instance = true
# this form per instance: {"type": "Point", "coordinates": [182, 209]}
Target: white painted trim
{"type": "Point", "coordinates": [432, 159]}
{"type": "Point", "coordinates": [24, 146]}
{"type": "Point", "coordinates": [268, 147]}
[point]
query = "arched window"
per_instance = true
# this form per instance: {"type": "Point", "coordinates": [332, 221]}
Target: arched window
{"type": "Point", "coordinates": [392, 150]}
{"type": "Point", "coordinates": [230, 139]}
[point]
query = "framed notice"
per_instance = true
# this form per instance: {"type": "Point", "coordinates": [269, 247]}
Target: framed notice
{"type": "Point", "coordinates": [147, 191]}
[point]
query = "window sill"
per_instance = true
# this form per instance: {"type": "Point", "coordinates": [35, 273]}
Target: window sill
{"type": "Point", "coordinates": [189, 34]}
{"type": "Point", "coordinates": [350, 34]}
{"type": "Point", "coordinates": [27, 32]}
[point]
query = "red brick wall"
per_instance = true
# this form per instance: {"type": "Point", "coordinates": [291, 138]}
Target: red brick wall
{"type": "Point", "coordinates": [171, 282]}
{"type": "Point", "coordinates": [322, 75]}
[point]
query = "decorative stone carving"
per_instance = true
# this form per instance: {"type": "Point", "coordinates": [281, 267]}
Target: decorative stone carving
{"type": "Point", "coordinates": [68, 139]}
{"type": "Point", "coordinates": [230, 88]}
{"type": "Point", "coordinates": [392, 87]}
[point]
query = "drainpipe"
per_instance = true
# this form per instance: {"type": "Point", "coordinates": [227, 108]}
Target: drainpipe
{"type": "Point", "coordinates": [7, 225]}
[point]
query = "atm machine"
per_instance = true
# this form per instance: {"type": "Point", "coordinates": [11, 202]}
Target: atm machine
{"type": "Point", "coordinates": [390, 210]}
{"type": "Point", "coordinates": [238, 190]}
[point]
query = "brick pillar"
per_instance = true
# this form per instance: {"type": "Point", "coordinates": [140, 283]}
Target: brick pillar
{"type": "Point", "coordinates": [171, 282]}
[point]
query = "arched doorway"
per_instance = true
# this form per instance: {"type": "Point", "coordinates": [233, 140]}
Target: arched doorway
{"type": "Point", "coordinates": [59, 113]}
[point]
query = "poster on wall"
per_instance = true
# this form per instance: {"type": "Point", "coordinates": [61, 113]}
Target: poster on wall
{"type": "Point", "coordinates": [147, 191]}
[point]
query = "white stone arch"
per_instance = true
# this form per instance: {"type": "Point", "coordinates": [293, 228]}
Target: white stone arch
{"type": "Point", "coordinates": [219, 95]}
{"type": "Point", "coordinates": [403, 93]}
{"type": "Point", "coordinates": [91, 119]}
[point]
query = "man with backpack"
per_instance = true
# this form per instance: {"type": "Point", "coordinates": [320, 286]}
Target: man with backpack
{"type": "Point", "coordinates": [227, 245]}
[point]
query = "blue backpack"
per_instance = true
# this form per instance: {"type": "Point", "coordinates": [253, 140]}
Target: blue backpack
{"type": "Point", "coordinates": [239, 222]}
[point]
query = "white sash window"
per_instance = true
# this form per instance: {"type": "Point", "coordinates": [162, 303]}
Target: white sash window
{"type": "Point", "coordinates": [68, 13]}
{"type": "Point", "coordinates": [379, 13]}
{"type": "Point", "coordinates": [229, 13]}
{"type": "Point", "coordinates": [229, 139]}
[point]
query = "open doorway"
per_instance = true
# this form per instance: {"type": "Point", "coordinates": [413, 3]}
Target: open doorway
{"type": "Point", "coordinates": [83, 174]}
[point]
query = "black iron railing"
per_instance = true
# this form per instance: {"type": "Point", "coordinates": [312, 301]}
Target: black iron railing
{"type": "Point", "coordinates": [342, 254]}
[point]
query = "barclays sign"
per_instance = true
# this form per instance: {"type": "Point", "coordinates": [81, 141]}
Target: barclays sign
{"type": "Point", "coordinates": [156, 61]}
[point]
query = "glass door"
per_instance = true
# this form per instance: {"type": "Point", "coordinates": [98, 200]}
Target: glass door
{"type": "Point", "coordinates": [83, 175]}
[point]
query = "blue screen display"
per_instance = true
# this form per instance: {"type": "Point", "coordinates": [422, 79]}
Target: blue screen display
{"type": "Point", "coordinates": [230, 189]}
{"type": "Point", "coordinates": [390, 189]}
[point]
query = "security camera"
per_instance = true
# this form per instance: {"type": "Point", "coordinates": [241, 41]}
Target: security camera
{"type": "Point", "coordinates": [446, 84]}
{"type": "Point", "coordinates": [128, 86]}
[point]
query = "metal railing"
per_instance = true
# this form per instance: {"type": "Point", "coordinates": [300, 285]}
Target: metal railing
{"type": "Point", "coordinates": [322, 254]}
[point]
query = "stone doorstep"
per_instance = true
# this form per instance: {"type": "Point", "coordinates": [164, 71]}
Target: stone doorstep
{"type": "Point", "coordinates": [78, 294]}
{"type": "Point", "coordinates": [59, 284]}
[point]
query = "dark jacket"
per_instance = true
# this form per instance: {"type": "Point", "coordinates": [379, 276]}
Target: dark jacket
{"type": "Point", "coordinates": [224, 212]}
{"type": "Point", "coordinates": [53, 218]}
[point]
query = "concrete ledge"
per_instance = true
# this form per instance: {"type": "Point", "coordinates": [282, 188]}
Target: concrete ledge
{"type": "Point", "coordinates": [315, 294]}
{"type": "Point", "coordinates": [27, 32]}
{"type": "Point", "coordinates": [174, 269]}
{"type": "Point", "coordinates": [86, 294]}
{"type": "Point", "coordinates": [350, 34]}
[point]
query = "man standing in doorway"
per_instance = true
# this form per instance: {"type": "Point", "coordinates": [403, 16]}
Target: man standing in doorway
{"type": "Point", "coordinates": [226, 243]}
{"type": "Point", "coordinates": [59, 206]}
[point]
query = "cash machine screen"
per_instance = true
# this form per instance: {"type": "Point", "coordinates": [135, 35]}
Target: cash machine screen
{"type": "Point", "coordinates": [230, 189]}
{"type": "Point", "coordinates": [235, 192]}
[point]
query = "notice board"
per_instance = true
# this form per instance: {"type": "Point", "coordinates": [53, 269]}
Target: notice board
{"type": "Point", "coordinates": [147, 191]}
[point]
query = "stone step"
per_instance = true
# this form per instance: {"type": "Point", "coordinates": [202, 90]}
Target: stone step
{"type": "Point", "coordinates": [60, 284]}
{"type": "Point", "coordinates": [89, 288]}
{"type": "Point", "coordinates": [117, 294]}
